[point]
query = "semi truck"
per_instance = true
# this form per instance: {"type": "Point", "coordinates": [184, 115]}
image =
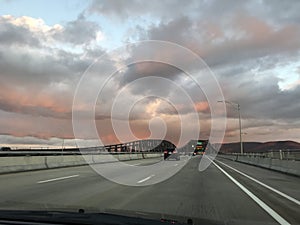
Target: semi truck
{"type": "Point", "coordinates": [200, 147]}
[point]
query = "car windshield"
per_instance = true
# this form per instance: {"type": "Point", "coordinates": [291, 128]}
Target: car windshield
{"type": "Point", "coordinates": [169, 111]}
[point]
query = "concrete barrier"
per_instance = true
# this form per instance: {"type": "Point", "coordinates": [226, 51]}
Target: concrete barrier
{"type": "Point", "coordinates": [134, 156]}
{"type": "Point", "coordinates": [13, 164]}
{"type": "Point", "coordinates": [61, 161]}
{"type": "Point", "coordinates": [291, 167]}
{"type": "Point", "coordinates": [154, 155]}
{"type": "Point", "coordinates": [27, 163]}
{"type": "Point", "coordinates": [286, 166]}
{"type": "Point", "coordinates": [231, 157]}
{"type": "Point", "coordinates": [124, 157]}
{"type": "Point", "coordinates": [101, 158]}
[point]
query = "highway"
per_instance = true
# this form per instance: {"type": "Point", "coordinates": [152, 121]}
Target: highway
{"type": "Point", "coordinates": [226, 191]}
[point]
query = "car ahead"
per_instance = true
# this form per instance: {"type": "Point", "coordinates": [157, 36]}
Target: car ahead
{"type": "Point", "coordinates": [171, 153]}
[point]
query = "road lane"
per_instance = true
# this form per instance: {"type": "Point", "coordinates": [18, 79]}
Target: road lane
{"type": "Point", "coordinates": [189, 193]}
{"type": "Point", "coordinates": [263, 205]}
{"type": "Point", "coordinates": [285, 207]}
{"type": "Point", "coordinates": [123, 174]}
{"type": "Point", "coordinates": [57, 178]}
{"type": "Point", "coordinates": [285, 183]}
{"type": "Point", "coordinates": [262, 184]}
{"type": "Point", "coordinates": [145, 179]}
{"type": "Point", "coordinates": [13, 180]}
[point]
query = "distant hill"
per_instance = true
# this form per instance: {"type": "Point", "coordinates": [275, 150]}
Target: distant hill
{"type": "Point", "coordinates": [258, 147]}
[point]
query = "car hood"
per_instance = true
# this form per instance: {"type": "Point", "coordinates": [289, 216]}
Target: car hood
{"type": "Point", "coordinates": [111, 216]}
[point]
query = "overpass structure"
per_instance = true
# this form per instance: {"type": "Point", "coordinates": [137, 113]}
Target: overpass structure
{"type": "Point", "coordinates": [138, 146]}
{"type": "Point", "coordinates": [148, 145]}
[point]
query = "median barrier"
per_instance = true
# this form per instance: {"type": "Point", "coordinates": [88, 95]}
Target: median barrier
{"type": "Point", "coordinates": [134, 156]}
{"type": "Point", "coordinates": [27, 163]}
{"type": "Point", "coordinates": [14, 164]}
{"type": "Point", "coordinates": [123, 157]}
{"type": "Point", "coordinates": [62, 161]}
{"type": "Point", "coordinates": [140, 156]}
{"type": "Point", "coordinates": [103, 158]}
{"type": "Point", "coordinates": [152, 155]}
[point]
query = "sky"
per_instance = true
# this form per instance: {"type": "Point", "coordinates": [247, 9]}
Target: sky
{"type": "Point", "coordinates": [251, 47]}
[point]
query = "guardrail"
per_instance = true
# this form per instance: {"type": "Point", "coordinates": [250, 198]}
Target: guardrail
{"type": "Point", "coordinates": [293, 154]}
{"type": "Point", "coordinates": [20, 163]}
{"type": "Point", "coordinates": [290, 166]}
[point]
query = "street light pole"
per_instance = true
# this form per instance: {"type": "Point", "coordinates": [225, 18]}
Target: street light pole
{"type": "Point", "coordinates": [240, 125]}
{"type": "Point", "coordinates": [238, 107]}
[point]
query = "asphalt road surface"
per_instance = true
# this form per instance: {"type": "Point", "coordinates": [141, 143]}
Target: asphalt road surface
{"type": "Point", "coordinates": [226, 191]}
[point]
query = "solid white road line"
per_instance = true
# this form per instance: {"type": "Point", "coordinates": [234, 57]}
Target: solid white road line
{"type": "Point", "coordinates": [263, 205]}
{"type": "Point", "coordinates": [147, 178]}
{"type": "Point", "coordinates": [58, 178]}
{"type": "Point", "coordinates": [263, 184]}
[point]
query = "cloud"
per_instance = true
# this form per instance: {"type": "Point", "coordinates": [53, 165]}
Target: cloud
{"type": "Point", "coordinates": [246, 44]}
{"type": "Point", "coordinates": [116, 9]}
{"type": "Point", "coordinates": [79, 32]}
{"type": "Point", "coordinates": [36, 103]}
{"type": "Point", "coordinates": [22, 125]}
{"type": "Point", "coordinates": [38, 78]}
{"type": "Point", "coordinates": [11, 34]}
{"type": "Point", "coordinates": [245, 39]}
{"type": "Point", "coordinates": [33, 32]}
